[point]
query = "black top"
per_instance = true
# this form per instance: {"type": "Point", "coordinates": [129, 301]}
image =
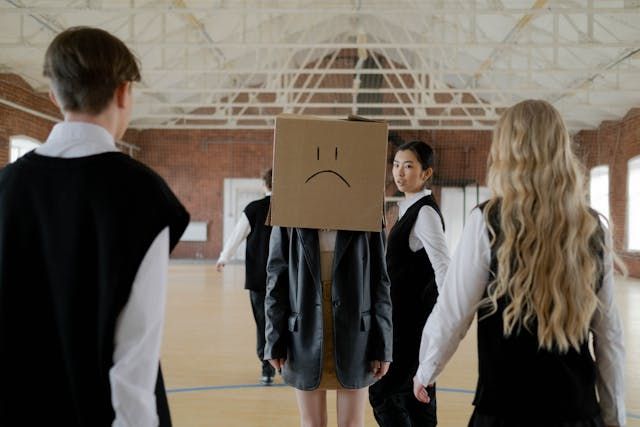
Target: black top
{"type": "Point", "coordinates": [413, 289]}
{"type": "Point", "coordinates": [257, 248]}
{"type": "Point", "coordinates": [520, 381]}
{"type": "Point", "coordinates": [73, 233]}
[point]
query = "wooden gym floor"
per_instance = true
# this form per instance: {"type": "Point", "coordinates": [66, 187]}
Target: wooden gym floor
{"type": "Point", "coordinates": [211, 370]}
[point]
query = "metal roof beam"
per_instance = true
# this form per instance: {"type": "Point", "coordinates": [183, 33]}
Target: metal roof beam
{"type": "Point", "coordinates": [354, 45]}
{"type": "Point", "coordinates": [427, 10]}
{"type": "Point", "coordinates": [516, 90]}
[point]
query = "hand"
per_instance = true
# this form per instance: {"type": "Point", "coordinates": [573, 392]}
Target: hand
{"type": "Point", "coordinates": [219, 267]}
{"type": "Point", "coordinates": [278, 364]}
{"type": "Point", "coordinates": [379, 369]}
{"type": "Point", "coordinates": [419, 391]}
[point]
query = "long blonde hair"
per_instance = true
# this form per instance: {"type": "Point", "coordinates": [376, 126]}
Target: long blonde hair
{"type": "Point", "coordinates": [549, 240]}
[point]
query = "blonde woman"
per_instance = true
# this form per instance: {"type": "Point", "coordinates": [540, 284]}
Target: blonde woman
{"type": "Point", "coordinates": [535, 263]}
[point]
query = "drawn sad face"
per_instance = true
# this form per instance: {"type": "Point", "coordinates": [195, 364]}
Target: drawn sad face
{"type": "Point", "coordinates": [326, 155]}
{"type": "Point", "coordinates": [328, 174]}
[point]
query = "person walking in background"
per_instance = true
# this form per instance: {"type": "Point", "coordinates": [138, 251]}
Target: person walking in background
{"type": "Point", "coordinates": [85, 237]}
{"type": "Point", "coordinates": [417, 259]}
{"type": "Point", "coordinates": [252, 226]}
{"type": "Point", "coordinates": [536, 264]}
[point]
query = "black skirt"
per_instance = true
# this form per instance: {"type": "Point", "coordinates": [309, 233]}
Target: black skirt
{"type": "Point", "coordinates": [483, 420]}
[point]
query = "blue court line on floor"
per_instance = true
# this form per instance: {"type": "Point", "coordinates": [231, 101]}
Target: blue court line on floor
{"type": "Point", "coordinates": [221, 387]}
{"type": "Point", "coordinates": [241, 386]}
{"type": "Point", "coordinates": [455, 390]}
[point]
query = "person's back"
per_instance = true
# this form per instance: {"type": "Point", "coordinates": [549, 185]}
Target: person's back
{"type": "Point", "coordinates": [257, 249]}
{"type": "Point", "coordinates": [85, 233]}
{"type": "Point", "coordinates": [252, 227]}
{"type": "Point", "coordinates": [74, 233]}
{"type": "Point", "coordinates": [517, 362]}
{"type": "Point", "coordinates": [536, 265]}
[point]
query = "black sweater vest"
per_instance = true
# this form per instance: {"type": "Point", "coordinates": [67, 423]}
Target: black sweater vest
{"type": "Point", "coordinates": [257, 249]}
{"type": "Point", "coordinates": [520, 382]}
{"type": "Point", "coordinates": [73, 233]}
{"type": "Point", "coordinates": [413, 288]}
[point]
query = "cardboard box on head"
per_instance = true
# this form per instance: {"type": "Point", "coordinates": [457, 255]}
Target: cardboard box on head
{"type": "Point", "coordinates": [328, 174]}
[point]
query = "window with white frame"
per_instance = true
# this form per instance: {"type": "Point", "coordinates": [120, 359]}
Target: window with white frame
{"type": "Point", "coordinates": [21, 145]}
{"type": "Point", "coordinates": [599, 189]}
{"type": "Point", "coordinates": [633, 204]}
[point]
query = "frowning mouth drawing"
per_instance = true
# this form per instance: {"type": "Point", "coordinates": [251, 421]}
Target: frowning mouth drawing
{"type": "Point", "coordinates": [328, 171]}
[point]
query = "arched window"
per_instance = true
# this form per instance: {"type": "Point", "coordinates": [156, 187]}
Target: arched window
{"type": "Point", "coordinates": [21, 145]}
{"type": "Point", "coordinates": [633, 204]}
{"type": "Point", "coordinates": [599, 189]}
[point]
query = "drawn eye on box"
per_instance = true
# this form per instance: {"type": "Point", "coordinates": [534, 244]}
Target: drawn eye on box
{"type": "Point", "coordinates": [327, 171]}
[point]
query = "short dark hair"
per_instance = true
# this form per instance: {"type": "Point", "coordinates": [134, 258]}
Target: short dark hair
{"type": "Point", "coordinates": [85, 66]}
{"type": "Point", "coordinates": [267, 176]}
{"type": "Point", "coordinates": [422, 150]}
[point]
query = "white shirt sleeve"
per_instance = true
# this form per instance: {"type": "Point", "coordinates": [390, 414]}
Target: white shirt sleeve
{"type": "Point", "coordinates": [462, 290]}
{"type": "Point", "coordinates": [609, 348]}
{"type": "Point", "coordinates": [137, 340]}
{"type": "Point", "coordinates": [239, 233]}
{"type": "Point", "coordinates": [427, 233]}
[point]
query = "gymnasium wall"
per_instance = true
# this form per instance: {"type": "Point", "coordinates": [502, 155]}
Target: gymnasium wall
{"type": "Point", "coordinates": [196, 162]}
{"type": "Point", "coordinates": [614, 143]}
{"type": "Point", "coordinates": [15, 122]}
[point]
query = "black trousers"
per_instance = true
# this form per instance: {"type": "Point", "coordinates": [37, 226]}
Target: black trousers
{"type": "Point", "coordinates": [394, 404]}
{"type": "Point", "coordinates": [257, 306]}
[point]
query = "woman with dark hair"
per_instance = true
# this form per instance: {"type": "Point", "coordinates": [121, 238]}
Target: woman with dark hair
{"type": "Point", "coordinates": [417, 259]}
{"type": "Point", "coordinates": [536, 264]}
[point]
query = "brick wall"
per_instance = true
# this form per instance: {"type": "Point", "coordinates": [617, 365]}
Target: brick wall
{"type": "Point", "coordinates": [614, 143]}
{"type": "Point", "coordinates": [4, 148]}
{"type": "Point", "coordinates": [15, 122]}
{"type": "Point", "coordinates": [195, 162]}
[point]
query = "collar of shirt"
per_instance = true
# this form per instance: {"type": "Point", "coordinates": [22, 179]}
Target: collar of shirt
{"type": "Point", "coordinates": [405, 204]}
{"type": "Point", "coordinates": [77, 139]}
{"type": "Point", "coordinates": [268, 193]}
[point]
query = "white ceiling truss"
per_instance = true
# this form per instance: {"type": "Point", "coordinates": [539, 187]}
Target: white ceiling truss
{"type": "Point", "coordinates": [419, 64]}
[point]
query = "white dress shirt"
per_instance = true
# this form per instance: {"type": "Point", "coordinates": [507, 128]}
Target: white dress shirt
{"type": "Point", "coordinates": [463, 289]}
{"type": "Point", "coordinates": [427, 233]}
{"type": "Point", "coordinates": [327, 240]}
{"type": "Point", "coordinates": [239, 233]}
{"type": "Point", "coordinates": [138, 333]}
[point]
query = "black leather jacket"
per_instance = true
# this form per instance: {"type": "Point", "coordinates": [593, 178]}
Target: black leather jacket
{"type": "Point", "coordinates": [361, 306]}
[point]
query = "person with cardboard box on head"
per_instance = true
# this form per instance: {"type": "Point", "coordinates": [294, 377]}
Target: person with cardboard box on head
{"type": "Point", "coordinates": [252, 227]}
{"type": "Point", "coordinates": [417, 261]}
{"type": "Point", "coordinates": [85, 236]}
{"type": "Point", "coordinates": [328, 304]}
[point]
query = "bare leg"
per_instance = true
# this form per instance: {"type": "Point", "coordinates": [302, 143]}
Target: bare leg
{"type": "Point", "coordinates": [350, 406]}
{"type": "Point", "coordinates": [312, 406]}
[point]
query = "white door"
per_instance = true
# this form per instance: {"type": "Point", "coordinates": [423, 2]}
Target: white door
{"type": "Point", "coordinates": [452, 208]}
{"type": "Point", "coordinates": [456, 205]}
{"type": "Point", "coordinates": [238, 193]}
